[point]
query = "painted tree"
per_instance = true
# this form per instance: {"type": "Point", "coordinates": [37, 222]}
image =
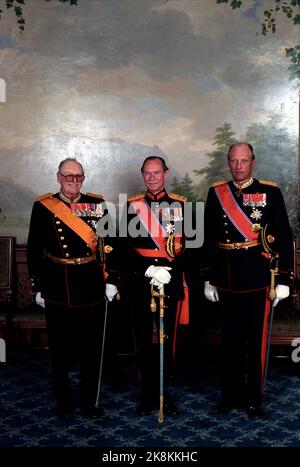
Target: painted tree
{"type": "Point", "coordinates": [215, 170]}
{"type": "Point", "coordinates": [276, 159]}
{"type": "Point", "coordinates": [184, 187]}
{"type": "Point", "coordinates": [288, 8]}
{"type": "Point", "coordinates": [18, 7]}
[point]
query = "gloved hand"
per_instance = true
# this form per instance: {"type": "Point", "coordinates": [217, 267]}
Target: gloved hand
{"type": "Point", "coordinates": [282, 291]}
{"type": "Point", "coordinates": [211, 292]}
{"type": "Point", "coordinates": [39, 300]}
{"type": "Point", "coordinates": [160, 275]}
{"type": "Point", "coordinates": [110, 292]}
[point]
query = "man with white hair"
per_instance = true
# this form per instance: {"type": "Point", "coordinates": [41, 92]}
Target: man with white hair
{"type": "Point", "coordinates": [70, 276]}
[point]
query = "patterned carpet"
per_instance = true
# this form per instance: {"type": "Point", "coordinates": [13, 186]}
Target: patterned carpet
{"type": "Point", "coordinates": [27, 418]}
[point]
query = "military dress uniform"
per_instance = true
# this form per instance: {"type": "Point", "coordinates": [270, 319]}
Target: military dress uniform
{"type": "Point", "coordinates": [68, 267]}
{"type": "Point", "coordinates": [142, 250]}
{"type": "Point", "coordinates": [245, 225]}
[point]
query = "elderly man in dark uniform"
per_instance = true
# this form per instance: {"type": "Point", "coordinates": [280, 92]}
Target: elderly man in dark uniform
{"type": "Point", "coordinates": [66, 262]}
{"type": "Point", "coordinates": [155, 252]}
{"type": "Point", "coordinates": [247, 233]}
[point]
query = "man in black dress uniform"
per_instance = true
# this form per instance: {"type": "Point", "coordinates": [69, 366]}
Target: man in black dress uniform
{"type": "Point", "coordinates": [155, 252]}
{"type": "Point", "coordinates": [247, 233]}
{"type": "Point", "coordinates": [66, 262]}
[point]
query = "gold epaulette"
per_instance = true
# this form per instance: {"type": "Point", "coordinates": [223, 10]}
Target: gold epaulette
{"type": "Point", "coordinates": [46, 195]}
{"type": "Point", "coordinates": [95, 195]}
{"type": "Point", "coordinates": [220, 182]}
{"type": "Point", "coordinates": [177, 197]}
{"type": "Point", "coordinates": [135, 197]}
{"type": "Point", "coordinates": [267, 182]}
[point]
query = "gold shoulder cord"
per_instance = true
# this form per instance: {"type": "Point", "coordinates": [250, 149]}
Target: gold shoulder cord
{"type": "Point", "coordinates": [273, 263]}
{"type": "Point", "coordinates": [274, 273]}
{"type": "Point", "coordinates": [101, 250]}
{"type": "Point", "coordinates": [170, 246]}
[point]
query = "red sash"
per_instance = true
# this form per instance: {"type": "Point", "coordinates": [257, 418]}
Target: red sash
{"type": "Point", "coordinates": [234, 212]}
{"type": "Point", "coordinates": [158, 234]}
{"type": "Point", "coordinates": [183, 305]}
{"type": "Point", "coordinates": [153, 226]}
{"type": "Point", "coordinates": [265, 336]}
{"type": "Point", "coordinates": [64, 213]}
{"type": "Point", "coordinates": [182, 312]}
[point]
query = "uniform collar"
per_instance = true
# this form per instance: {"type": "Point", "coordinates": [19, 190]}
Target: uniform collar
{"type": "Point", "coordinates": [68, 200]}
{"type": "Point", "coordinates": [241, 186]}
{"type": "Point", "coordinates": [156, 197]}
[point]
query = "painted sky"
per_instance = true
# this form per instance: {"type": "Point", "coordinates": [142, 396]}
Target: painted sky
{"type": "Point", "coordinates": [164, 73]}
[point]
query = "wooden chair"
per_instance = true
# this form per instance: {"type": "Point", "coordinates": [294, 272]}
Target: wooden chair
{"type": "Point", "coordinates": [7, 286]}
{"type": "Point", "coordinates": [29, 326]}
{"type": "Point", "coordinates": [29, 323]}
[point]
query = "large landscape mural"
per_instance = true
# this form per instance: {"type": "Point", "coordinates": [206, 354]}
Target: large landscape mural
{"type": "Point", "coordinates": [113, 81]}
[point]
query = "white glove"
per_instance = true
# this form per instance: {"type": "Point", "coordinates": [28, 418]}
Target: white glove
{"type": "Point", "coordinates": [211, 292]}
{"type": "Point", "coordinates": [39, 300]}
{"type": "Point", "coordinates": [160, 275]}
{"type": "Point", "coordinates": [282, 291]}
{"type": "Point", "coordinates": [110, 292]}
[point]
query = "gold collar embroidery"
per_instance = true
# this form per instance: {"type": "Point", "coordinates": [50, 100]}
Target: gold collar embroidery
{"type": "Point", "coordinates": [241, 186]}
{"type": "Point", "coordinates": [68, 200]}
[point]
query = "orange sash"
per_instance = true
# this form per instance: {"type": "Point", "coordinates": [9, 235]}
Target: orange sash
{"type": "Point", "coordinates": [64, 213]}
{"type": "Point", "coordinates": [237, 216]}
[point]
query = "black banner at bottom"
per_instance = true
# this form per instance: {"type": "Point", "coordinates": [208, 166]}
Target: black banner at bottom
{"type": "Point", "coordinates": [90, 457]}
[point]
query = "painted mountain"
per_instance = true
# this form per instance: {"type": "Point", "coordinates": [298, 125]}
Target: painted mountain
{"type": "Point", "coordinates": [112, 166]}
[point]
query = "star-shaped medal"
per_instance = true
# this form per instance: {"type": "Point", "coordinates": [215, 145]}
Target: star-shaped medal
{"type": "Point", "coordinates": [170, 228]}
{"type": "Point", "coordinates": [256, 214]}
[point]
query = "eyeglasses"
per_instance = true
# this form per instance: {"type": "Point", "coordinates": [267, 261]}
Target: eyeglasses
{"type": "Point", "coordinates": [73, 177]}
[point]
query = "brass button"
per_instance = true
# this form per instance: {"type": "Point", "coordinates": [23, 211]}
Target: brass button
{"type": "Point", "coordinates": [65, 246]}
{"type": "Point", "coordinates": [156, 260]}
{"type": "Point", "coordinates": [67, 255]}
{"type": "Point", "coordinates": [228, 241]}
{"type": "Point", "coordinates": [59, 230]}
{"type": "Point", "coordinates": [62, 238]}
{"type": "Point", "coordinates": [57, 222]}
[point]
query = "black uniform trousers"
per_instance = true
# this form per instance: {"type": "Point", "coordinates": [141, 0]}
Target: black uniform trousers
{"type": "Point", "coordinates": [244, 339]}
{"type": "Point", "coordinates": [147, 354]}
{"type": "Point", "coordinates": [75, 333]}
